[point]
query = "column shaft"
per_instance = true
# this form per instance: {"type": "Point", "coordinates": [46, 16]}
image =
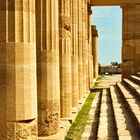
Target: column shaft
{"type": "Point", "coordinates": [18, 101]}
{"type": "Point", "coordinates": [90, 55]}
{"type": "Point", "coordinates": [74, 57]}
{"type": "Point", "coordinates": [80, 48]}
{"type": "Point", "coordinates": [84, 47]}
{"type": "Point", "coordinates": [48, 66]}
{"type": "Point", "coordinates": [87, 43]}
{"type": "Point", "coordinates": [65, 58]}
{"type": "Point", "coordinates": [95, 51]}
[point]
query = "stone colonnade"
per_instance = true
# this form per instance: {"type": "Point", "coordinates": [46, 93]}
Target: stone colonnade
{"type": "Point", "coordinates": [131, 39]}
{"type": "Point", "coordinates": [93, 51]}
{"type": "Point", "coordinates": [44, 66]}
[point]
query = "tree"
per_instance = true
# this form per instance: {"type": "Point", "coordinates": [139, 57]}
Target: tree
{"type": "Point", "coordinates": [114, 63]}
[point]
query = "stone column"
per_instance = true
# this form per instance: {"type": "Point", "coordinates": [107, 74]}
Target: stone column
{"type": "Point", "coordinates": [95, 51]}
{"type": "Point", "coordinates": [90, 49]}
{"type": "Point", "coordinates": [84, 47]}
{"type": "Point", "coordinates": [18, 95]}
{"type": "Point", "coordinates": [80, 48]}
{"type": "Point", "coordinates": [48, 66]}
{"type": "Point", "coordinates": [130, 40]}
{"type": "Point", "coordinates": [74, 57]}
{"type": "Point", "coordinates": [65, 57]}
{"type": "Point", "coordinates": [87, 44]}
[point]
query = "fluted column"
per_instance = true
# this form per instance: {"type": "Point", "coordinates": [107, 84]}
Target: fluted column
{"type": "Point", "coordinates": [130, 39]}
{"type": "Point", "coordinates": [95, 51]}
{"type": "Point", "coordinates": [84, 47]}
{"type": "Point", "coordinates": [18, 95]}
{"type": "Point", "coordinates": [48, 66]}
{"type": "Point", "coordinates": [74, 57]}
{"type": "Point", "coordinates": [87, 32]}
{"type": "Point", "coordinates": [90, 49]}
{"type": "Point", "coordinates": [80, 48]}
{"type": "Point", "coordinates": [65, 57]}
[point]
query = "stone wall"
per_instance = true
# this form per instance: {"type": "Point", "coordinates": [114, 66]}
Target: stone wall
{"type": "Point", "coordinates": [131, 39]}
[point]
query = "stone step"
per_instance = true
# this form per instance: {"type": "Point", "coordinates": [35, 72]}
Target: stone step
{"type": "Point", "coordinates": [132, 103]}
{"type": "Point", "coordinates": [131, 84]}
{"type": "Point", "coordinates": [135, 88]}
{"type": "Point", "coordinates": [106, 129]}
{"type": "Point", "coordinates": [90, 131]}
{"type": "Point", "coordinates": [135, 79]}
{"type": "Point", "coordinates": [138, 74]}
{"type": "Point", "coordinates": [123, 121]}
{"type": "Point", "coordinates": [114, 115]}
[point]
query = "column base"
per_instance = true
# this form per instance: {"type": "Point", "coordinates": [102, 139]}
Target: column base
{"type": "Point", "coordinates": [23, 130]}
{"type": "Point", "coordinates": [49, 118]}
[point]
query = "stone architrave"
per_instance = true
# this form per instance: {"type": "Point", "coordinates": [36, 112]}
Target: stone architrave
{"type": "Point", "coordinates": [95, 50]}
{"type": "Point", "coordinates": [65, 57]}
{"type": "Point", "coordinates": [18, 94]}
{"type": "Point", "coordinates": [48, 82]}
{"type": "Point", "coordinates": [74, 57]}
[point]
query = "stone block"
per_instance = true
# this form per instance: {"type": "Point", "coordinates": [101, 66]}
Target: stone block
{"type": "Point", "coordinates": [18, 130]}
{"type": "Point", "coordinates": [128, 53]}
{"type": "Point", "coordinates": [127, 68]}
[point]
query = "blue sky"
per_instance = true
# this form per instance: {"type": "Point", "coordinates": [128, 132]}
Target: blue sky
{"type": "Point", "coordinates": [109, 24]}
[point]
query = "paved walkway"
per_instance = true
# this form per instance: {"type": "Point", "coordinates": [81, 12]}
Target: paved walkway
{"type": "Point", "coordinates": [108, 80]}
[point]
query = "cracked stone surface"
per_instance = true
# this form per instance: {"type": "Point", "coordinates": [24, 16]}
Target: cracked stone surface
{"type": "Point", "coordinates": [49, 118]}
{"type": "Point", "coordinates": [26, 130]}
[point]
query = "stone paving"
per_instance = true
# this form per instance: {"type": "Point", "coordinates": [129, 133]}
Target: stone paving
{"type": "Point", "coordinates": [116, 112]}
{"type": "Point", "coordinates": [108, 80]}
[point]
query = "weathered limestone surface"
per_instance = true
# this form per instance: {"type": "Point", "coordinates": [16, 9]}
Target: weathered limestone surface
{"type": "Point", "coordinates": [87, 27]}
{"type": "Point", "coordinates": [74, 58]}
{"type": "Point", "coordinates": [90, 55]}
{"type": "Point", "coordinates": [19, 130]}
{"type": "Point", "coordinates": [80, 52]}
{"type": "Point", "coordinates": [57, 71]}
{"type": "Point", "coordinates": [95, 51]}
{"type": "Point", "coordinates": [114, 114]}
{"type": "Point", "coordinates": [48, 66]}
{"type": "Point", "coordinates": [18, 96]}
{"type": "Point", "coordinates": [131, 39]}
{"type": "Point", "coordinates": [65, 57]}
{"type": "Point", "coordinates": [85, 45]}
